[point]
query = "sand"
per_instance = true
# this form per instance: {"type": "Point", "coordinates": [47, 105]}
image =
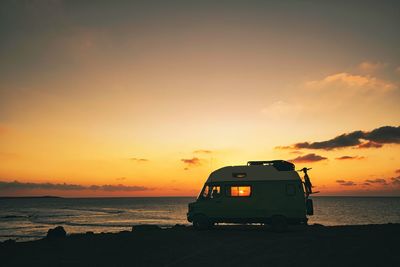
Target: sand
{"type": "Point", "coordinates": [367, 245]}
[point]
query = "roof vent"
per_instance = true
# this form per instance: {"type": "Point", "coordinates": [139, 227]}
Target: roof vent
{"type": "Point", "coordinates": [239, 174]}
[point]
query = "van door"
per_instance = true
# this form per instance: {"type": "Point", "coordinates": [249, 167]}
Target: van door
{"type": "Point", "coordinates": [215, 199]}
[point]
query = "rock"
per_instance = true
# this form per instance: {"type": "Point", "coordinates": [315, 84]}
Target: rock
{"type": "Point", "coordinates": [145, 227]}
{"type": "Point", "coordinates": [56, 233]}
{"type": "Point", "coordinates": [9, 242]}
{"type": "Point", "coordinates": [178, 226]}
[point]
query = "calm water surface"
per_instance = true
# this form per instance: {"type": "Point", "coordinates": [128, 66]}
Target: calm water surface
{"type": "Point", "coordinates": [26, 219]}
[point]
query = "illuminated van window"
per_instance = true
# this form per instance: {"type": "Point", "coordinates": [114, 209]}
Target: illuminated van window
{"type": "Point", "coordinates": [240, 191]}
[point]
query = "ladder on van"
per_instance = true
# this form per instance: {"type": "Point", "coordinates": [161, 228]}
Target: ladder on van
{"type": "Point", "coordinates": [307, 182]}
{"type": "Point", "coordinates": [308, 189]}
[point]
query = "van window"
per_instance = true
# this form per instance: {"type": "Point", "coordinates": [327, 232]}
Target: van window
{"type": "Point", "coordinates": [206, 189]}
{"type": "Point", "coordinates": [213, 191]}
{"type": "Point", "coordinates": [240, 191]}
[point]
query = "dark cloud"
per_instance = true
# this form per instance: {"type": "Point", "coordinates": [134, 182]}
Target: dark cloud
{"type": "Point", "coordinates": [308, 158]}
{"type": "Point", "coordinates": [139, 160]}
{"type": "Point", "coordinates": [344, 140]}
{"type": "Point", "coordinates": [397, 171]}
{"type": "Point", "coordinates": [120, 178]}
{"type": "Point", "coordinates": [384, 135]}
{"type": "Point", "coordinates": [377, 181]}
{"type": "Point", "coordinates": [15, 185]}
{"type": "Point", "coordinates": [386, 182]}
{"type": "Point", "coordinates": [202, 151]}
{"type": "Point", "coordinates": [350, 158]}
{"type": "Point", "coordinates": [374, 138]}
{"type": "Point", "coordinates": [346, 183]}
{"type": "Point", "coordinates": [191, 162]}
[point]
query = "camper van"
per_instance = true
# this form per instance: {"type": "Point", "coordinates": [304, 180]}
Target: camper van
{"type": "Point", "coordinates": [267, 192]}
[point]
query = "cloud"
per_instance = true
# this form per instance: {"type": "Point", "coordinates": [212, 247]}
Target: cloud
{"type": "Point", "coordinates": [374, 138]}
{"type": "Point", "coordinates": [369, 67]}
{"type": "Point", "coordinates": [384, 135]}
{"type": "Point", "coordinates": [192, 162]}
{"type": "Point", "coordinates": [370, 144]}
{"type": "Point", "coordinates": [15, 185]}
{"type": "Point", "coordinates": [397, 171]}
{"type": "Point", "coordinates": [120, 178]}
{"type": "Point", "coordinates": [377, 181]}
{"type": "Point", "coordinates": [395, 180]}
{"type": "Point", "coordinates": [138, 160]}
{"type": "Point", "coordinates": [346, 183]}
{"type": "Point", "coordinates": [284, 147]}
{"type": "Point", "coordinates": [397, 70]}
{"type": "Point", "coordinates": [118, 187]}
{"type": "Point", "coordinates": [307, 158]}
{"type": "Point", "coordinates": [350, 158]}
{"type": "Point", "coordinates": [279, 108]}
{"type": "Point", "coordinates": [344, 140]}
{"type": "Point", "coordinates": [202, 151]}
{"type": "Point", "coordinates": [350, 81]}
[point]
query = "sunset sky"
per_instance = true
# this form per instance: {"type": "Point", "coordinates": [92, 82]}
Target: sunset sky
{"type": "Point", "coordinates": [146, 98]}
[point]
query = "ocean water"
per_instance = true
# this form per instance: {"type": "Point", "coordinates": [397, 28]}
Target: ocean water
{"type": "Point", "coordinates": [28, 219]}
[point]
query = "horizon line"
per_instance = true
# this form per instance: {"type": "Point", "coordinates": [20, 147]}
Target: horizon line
{"type": "Point", "coordinates": [68, 197]}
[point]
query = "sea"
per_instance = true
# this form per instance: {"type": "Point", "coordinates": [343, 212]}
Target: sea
{"type": "Point", "coordinates": [25, 219]}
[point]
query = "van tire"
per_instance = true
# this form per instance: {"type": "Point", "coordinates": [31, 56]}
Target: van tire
{"type": "Point", "coordinates": [201, 222]}
{"type": "Point", "coordinates": [279, 224]}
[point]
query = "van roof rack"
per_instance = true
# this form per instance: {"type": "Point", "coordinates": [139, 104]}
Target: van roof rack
{"type": "Point", "coordinates": [280, 165]}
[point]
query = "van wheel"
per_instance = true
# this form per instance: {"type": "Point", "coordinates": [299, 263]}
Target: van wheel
{"type": "Point", "coordinates": [279, 224]}
{"type": "Point", "coordinates": [201, 222]}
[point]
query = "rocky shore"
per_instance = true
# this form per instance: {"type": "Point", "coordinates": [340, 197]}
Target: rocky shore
{"type": "Point", "coordinates": [315, 245]}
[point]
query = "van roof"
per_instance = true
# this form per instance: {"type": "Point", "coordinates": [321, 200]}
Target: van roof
{"type": "Point", "coordinates": [260, 171]}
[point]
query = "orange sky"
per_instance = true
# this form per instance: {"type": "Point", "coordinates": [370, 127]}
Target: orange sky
{"type": "Point", "coordinates": [143, 100]}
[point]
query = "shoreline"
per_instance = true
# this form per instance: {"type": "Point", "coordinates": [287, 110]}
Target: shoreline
{"type": "Point", "coordinates": [232, 245]}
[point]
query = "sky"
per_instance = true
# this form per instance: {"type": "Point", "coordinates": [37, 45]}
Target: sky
{"type": "Point", "coordinates": [146, 98]}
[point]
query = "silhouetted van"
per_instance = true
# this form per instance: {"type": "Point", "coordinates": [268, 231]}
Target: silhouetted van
{"type": "Point", "coordinates": [269, 192]}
